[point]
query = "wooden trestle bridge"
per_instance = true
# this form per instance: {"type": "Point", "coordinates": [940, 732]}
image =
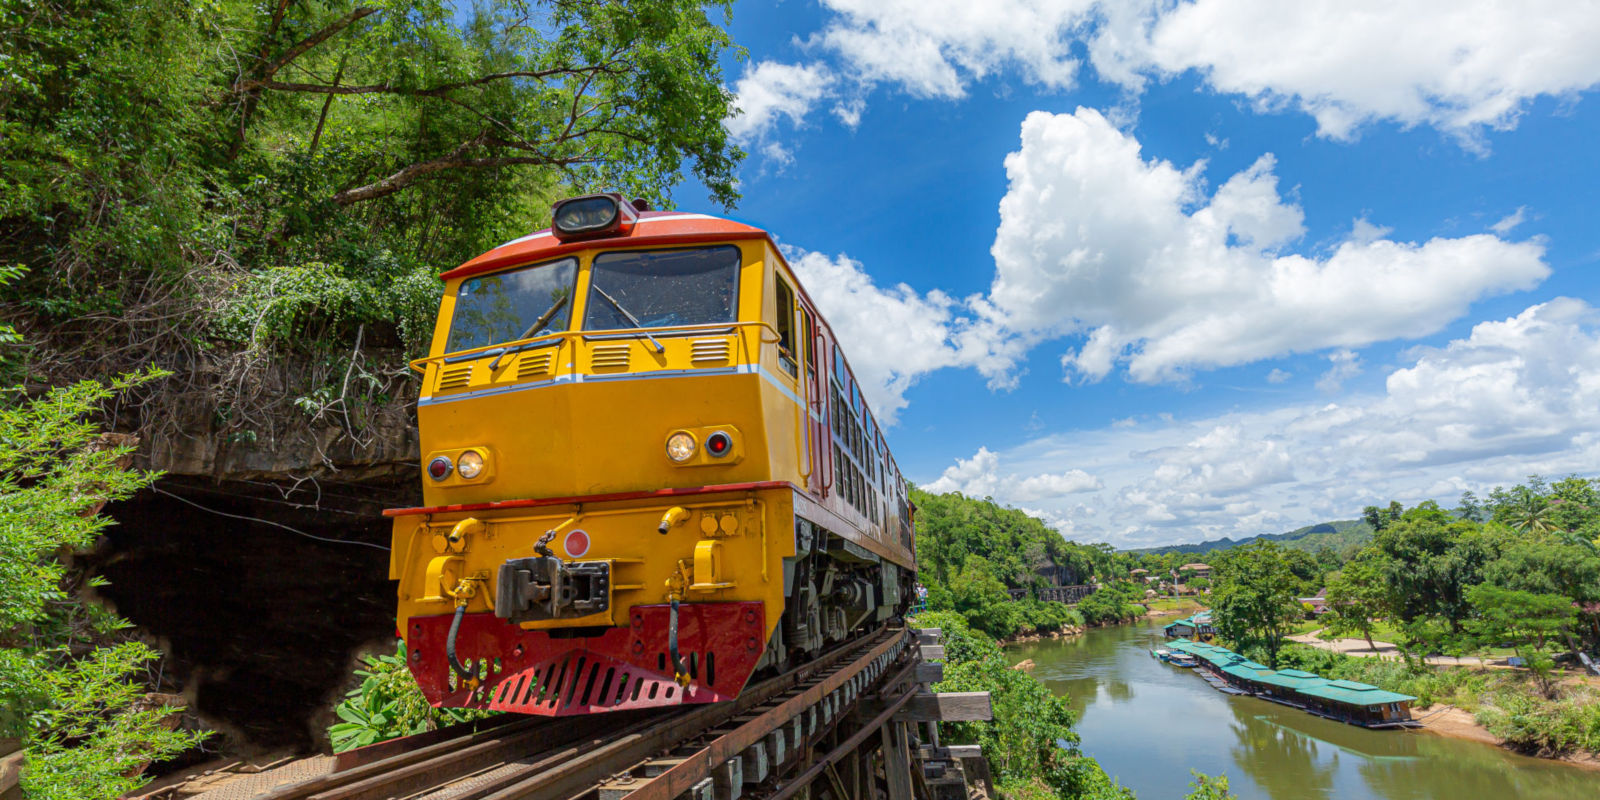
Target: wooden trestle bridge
{"type": "Point", "coordinates": [1058, 594]}
{"type": "Point", "coordinates": [856, 724]}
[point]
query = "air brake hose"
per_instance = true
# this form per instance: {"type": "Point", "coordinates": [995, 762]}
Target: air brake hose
{"type": "Point", "coordinates": [679, 674]}
{"type": "Point", "coordinates": [465, 671]}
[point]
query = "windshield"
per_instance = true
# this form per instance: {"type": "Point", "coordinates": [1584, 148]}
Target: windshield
{"type": "Point", "coordinates": [508, 306]}
{"type": "Point", "coordinates": [662, 288]}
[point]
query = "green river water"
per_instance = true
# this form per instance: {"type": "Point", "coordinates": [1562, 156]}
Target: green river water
{"type": "Point", "coordinates": [1148, 723]}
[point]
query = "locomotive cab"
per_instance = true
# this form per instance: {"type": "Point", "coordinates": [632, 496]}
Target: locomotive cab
{"type": "Point", "coordinates": [632, 472]}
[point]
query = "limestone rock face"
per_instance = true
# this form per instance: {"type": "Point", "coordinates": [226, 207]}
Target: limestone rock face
{"type": "Point", "coordinates": [376, 439]}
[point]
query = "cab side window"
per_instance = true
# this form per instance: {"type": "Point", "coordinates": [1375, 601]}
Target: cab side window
{"type": "Point", "coordinates": [785, 327]}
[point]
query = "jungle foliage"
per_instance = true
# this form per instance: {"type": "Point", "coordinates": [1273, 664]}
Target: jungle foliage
{"type": "Point", "coordinates": [1029, 744]}
{"type": "Point", "coordinates": [211, 186]}
{"type": "Point", "coordinates": [73, 683]}
{"type": "Point", "coordinates": [1516, 574]}
{"type": "Point", "coordinates": [972, 553]}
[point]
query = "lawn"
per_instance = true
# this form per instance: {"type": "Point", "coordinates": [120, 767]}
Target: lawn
{"type": "Point", "coordinates": [1382, 631]}
{"type": "Point", "coordinates": [1167, 604]}
{"type": "Point", "coordinates": [1306, 626]}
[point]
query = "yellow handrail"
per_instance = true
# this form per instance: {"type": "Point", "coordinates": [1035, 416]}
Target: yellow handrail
{"type": "Point", "coordinates": [421, 364]}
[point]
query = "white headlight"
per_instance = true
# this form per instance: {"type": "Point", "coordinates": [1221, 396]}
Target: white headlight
{"type": "Point", "coordinates": [470, 465]}
{"type": "Point", "coordinates": [680, 447]}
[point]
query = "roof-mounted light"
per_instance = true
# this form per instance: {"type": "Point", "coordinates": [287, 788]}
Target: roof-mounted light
{"type": "Point", "coordinates": [593, 216]}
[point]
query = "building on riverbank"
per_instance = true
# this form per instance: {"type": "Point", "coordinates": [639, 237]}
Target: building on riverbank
{"type": "Point", "coordinates": [1345, 701]}
{"type": "Point", "coordinates": [1196, 625]}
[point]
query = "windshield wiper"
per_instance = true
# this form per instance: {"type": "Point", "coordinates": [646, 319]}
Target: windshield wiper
{"type": "Point", "coordinates": [537, 324]}
{"type": "Point", "coordinates": [631, 318]}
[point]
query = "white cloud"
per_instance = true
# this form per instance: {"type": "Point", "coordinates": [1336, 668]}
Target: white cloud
{"type": "Point", "coordinates": [1155, 276]}
{"type": "Point", "coordinates": [934, 48]}
{"type": "Point", "coordinates": [1346, 365]}
{"type": "Point", "coordinates": [1096, 240]}
{"type": "Point", "coordinates": [1043, 487]}
{"type": "Point", "coordinates": [1510, 221]}
{"type": "Point", "coordinates": [1515, 397]}
{"type": "Point", "coordinates": [978, 477]}
{"type": "Point", "coordinates": [973, 477]}
{"type": "Point", "coordinates": [1459, 65]}
{"type": "Point", "coordinates": [901, 334]}
{"type": "Point", "coordinates": [1278, 376]}
{"type": "Point", "coordinates": [770, 91]}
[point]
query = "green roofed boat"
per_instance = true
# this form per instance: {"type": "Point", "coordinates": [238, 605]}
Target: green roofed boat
{"type": "Point", "coordinates": [1345, 701]}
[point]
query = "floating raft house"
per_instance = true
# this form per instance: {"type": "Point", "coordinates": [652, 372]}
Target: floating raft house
{"type": "Point", "coordinates": [1346, 701]}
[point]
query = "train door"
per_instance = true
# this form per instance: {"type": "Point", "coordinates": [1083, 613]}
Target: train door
{"type": "Point", "coordinates": [817, 426]}
{"type": "Point", "coordinates": [794, 360]}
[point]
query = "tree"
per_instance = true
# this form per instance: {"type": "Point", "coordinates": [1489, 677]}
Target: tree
{"type": "Point", "coordinates": [982, 599]}
{"type": "Point", "coordinates": [1359, 595]}
{"type": "Point", "coordinates": [1549, 564]}
{"type": "Point", "coordinates": [1030, 741]}
{"type": "Point", "coordinates": [228, 187]}
{"type": "Point", "coordinates": [1470, 508]}
{"type": "Point", "coordinates": [1380, 518]}
{"type": "Point", "coordinates": [1432, 557]}
{"type": "Point", "coordinates": [71, 687]}
{"type": "Point", "coordinates": [1526, 620]}
{"type": "Point", "coordinates": [1209, 787]}
{"type": "Point", "coordinates": [1254, 597]}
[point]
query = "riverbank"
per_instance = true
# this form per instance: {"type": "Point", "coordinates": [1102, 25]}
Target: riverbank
{"type": "Point", "coordinates": [1459, 723]}
{"type": "Point", "coordinates": [1472, 699]}
{"type": "Point", "coordinates": [1039, 636]}
{"type": "Point", "coordinates": [1160, 608]}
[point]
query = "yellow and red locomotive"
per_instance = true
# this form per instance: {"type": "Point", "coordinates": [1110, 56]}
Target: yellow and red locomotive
{"type": "Point", "coordinates": [648, 472]}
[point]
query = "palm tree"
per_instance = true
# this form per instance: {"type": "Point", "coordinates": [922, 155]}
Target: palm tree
{"type": "Point", "coordinates": [1533, 515]}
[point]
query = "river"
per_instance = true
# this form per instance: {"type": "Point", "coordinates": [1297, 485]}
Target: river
{"type": "Point", "coordinates": [1148, 723]}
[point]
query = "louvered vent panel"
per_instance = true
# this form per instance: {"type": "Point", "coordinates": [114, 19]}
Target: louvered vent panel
{"type": "Point", "coordinates": [609, 356]}
{"type": "Point", "coordinates": [455, 376]}
{"type": "Point", "coordinates": [533, 365]}
{"type": "Point", "coordinates": [708, 351]}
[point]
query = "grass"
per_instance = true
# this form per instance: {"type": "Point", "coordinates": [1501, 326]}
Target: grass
{"type": "Point", "coordinates": [1166, 604]}
{"type": "Point", "coordinates": [1382, 631]}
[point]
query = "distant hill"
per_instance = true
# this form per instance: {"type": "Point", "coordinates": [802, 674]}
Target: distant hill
{"type": "Point", "coordinates": [1338, 535]}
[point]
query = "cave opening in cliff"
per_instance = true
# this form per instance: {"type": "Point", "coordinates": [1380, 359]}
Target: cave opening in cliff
{"type": "Point", "coordinates": [260, 593]}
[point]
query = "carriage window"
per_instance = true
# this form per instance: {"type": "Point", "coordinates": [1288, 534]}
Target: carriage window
{"type": "Point", "coordinates": [509, 306]}
{"type": "Point", "coordinates": [662, 288]}
{"type": "Point", "coordinates": [785, 326]}
{"type": "Point", "coordinates": [809, 332]}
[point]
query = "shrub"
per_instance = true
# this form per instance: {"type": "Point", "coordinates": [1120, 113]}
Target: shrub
{"type": "Point", "coordinates": [1209, 787]}
{"type": "Point", "coordinates": [72, 687]}
{"type": "Point", "coordinates": [388, 704]}
{"type": "Point", "coordinates": [1029, 744]}
{"type": "Point", "coordinates": [1529, 722]}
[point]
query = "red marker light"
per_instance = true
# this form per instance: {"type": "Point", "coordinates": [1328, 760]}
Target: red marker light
{"type": "Point", "coordinates": [718, 444]}
{"type": "Point", "coordinates": [576, 544]}
{"type": "Point", "coordinates": [439, 468]}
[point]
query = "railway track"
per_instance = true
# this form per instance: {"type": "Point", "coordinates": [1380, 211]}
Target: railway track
{"type": "Point", "coordinates": [651, 754]}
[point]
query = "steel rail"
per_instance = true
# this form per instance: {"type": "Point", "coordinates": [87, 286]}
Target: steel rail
{"type": "Point", "coordinates": [683, 776]}
{"type": "Point", "coordinates": [548, 756]}
{"type": "Point", "coordinates": [571, 778]}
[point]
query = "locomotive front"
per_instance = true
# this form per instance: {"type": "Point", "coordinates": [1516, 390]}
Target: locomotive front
{"type": "Point", "coordinates": [623, 462]}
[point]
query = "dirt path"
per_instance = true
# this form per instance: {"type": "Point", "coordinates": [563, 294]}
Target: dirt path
{"type": "Point", "coordinates": [1359, 648]}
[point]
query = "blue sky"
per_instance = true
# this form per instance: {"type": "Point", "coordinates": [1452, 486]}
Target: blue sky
{"type": "Point", "coordinates": [1167, 272]}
